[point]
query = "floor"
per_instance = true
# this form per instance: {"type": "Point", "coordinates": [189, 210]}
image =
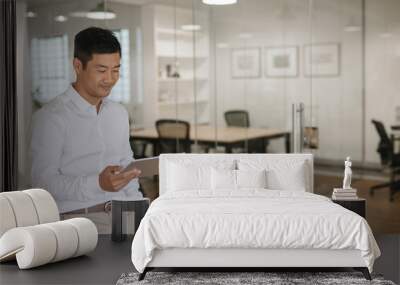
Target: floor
{"type": "Point", "coordinates": [383, 215]}
{"type": "Point", "coordinates": [102, 266]}
{"type": "Point", "coordinates": [110, 260]}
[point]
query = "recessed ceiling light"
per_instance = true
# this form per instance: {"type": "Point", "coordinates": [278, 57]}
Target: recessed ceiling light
{"type": "Point", "coordinates": [352, 25]}
{"type": "Point", "coordinates": [222, 45]}
{"type": "Point", "coordinates": [31, 14]}
{"type": "Point", "coordinates": [78, 14]}
{"type": "Point", "coordinates": [245, 36]}
{"type": "Point", "coordinates": [191, 27]}
{"type": "Point", "coordinates": [219, 2]}
{"type": "Point", "coordinates": [60, 18]}
{"type": "Point", "coordinates": [101, 13]}
{"type": "Point", "coordinates": [351, 29]}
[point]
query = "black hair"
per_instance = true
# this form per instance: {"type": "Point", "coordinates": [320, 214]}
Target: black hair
{"type": "Point", "coordinates": [94, 40]}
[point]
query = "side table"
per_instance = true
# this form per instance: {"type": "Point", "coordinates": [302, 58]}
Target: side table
{"type": "Point", "coordinates": [358, 206]}
{"type": "Point", "coordinates": [118, 207]}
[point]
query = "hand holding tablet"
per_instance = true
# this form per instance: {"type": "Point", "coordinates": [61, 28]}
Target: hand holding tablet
{"type": "Point", "coordinates": [147, 166]}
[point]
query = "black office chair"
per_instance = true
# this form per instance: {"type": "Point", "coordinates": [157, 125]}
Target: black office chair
{"type": "Point", "coordinates": [139, 148]}
{"type": "Point", "coordinates": [237, 118]}
{"type": "Point", "coordinates": [240, 118]}
{"type": "Point", "coordinates": [389, 159]}
{"type": "Point", "coordinates": [174, 136]}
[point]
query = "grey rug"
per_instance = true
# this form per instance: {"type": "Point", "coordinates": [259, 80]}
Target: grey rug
{"type": "Point", "coordinates": [273, 278]}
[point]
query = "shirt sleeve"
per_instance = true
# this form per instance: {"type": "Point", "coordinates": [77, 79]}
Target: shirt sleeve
{"type": "Point", "coordinates": [127, 153]}
{"type": "Point", "coordinates": [48, 134]}
{"type": "Point", "coordinates": [127, 156]}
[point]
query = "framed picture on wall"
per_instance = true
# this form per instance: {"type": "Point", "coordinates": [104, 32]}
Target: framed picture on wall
{"type": "Point", "coordinates": [322, 59]}
{"type": "Point", "coordinates": [245, 63]}
{"type": "Point", "coordinates": [281, 61]}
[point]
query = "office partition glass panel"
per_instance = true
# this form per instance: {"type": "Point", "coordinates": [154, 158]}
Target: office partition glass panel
{"type": "Point", "coordinates": [333, 62]}
{"type": "Point", "coordinates": [255, 52]}
{"type": "Point", "coordinates": [51, 28]}
{"type": "Point", "coordinates": [382, 71]}
{"type": "Point", "coordinates": [185, 60]}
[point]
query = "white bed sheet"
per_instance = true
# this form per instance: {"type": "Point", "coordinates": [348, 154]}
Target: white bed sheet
{"type": "Point", "coordinates": [250, 218]}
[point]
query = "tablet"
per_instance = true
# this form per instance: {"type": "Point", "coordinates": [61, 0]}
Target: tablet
{"type": "Point", "coordinates": [148, 166]}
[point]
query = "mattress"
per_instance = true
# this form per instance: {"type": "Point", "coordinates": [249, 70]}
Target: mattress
{"type": "Point", "coordinates": [251, 219]}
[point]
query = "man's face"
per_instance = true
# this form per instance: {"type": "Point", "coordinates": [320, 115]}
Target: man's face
{"type": "Point", "coordinates": [100, 73]}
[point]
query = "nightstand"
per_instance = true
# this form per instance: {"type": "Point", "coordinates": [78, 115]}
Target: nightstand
{"type": "Point", "coordinates": [118, 207]}
{"type": "Point", "coordinates": [358, 206]}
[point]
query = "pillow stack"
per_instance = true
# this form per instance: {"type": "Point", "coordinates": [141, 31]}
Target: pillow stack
{"type": "Point", "coordinates": [239, 174]}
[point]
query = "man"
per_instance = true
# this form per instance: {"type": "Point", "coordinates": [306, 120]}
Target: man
{"type": "Point", "coordinates": [80, 140]}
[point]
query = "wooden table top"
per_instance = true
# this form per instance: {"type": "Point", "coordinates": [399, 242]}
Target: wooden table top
{"type": "Point", "coordinates": [207, 133]}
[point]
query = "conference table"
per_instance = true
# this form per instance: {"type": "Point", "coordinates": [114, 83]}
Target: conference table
{"type": "Point", "coordinates": [228, 137]}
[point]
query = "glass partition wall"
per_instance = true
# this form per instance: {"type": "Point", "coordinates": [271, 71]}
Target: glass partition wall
{"type": "Point", "coordinates": [235, 73]}
{"type": "Point", "coordinates": [196, 63]}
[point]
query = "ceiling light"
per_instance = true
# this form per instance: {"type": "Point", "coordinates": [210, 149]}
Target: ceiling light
{"type": "Point", "coordinates": [219, 2]}
{"type": "Point", "coordinates": [78, 14]}
{"type": "Point", "coordinates": [352, 26]}
{"type": "Point", "coordinates": [222, 45]}
{"type": "Point", "coordinates": [100, 13]}
{"type": "Point", "coordinates": [31, 14]}
{"type": "Point", "coordinates": [245, 36]}
{"type": "Point", "coordinates": [60, 18]}
{"type": "Point", "coordinates": [191, 27]}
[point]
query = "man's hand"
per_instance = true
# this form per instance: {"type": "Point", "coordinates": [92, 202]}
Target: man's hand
{"type": "Point", "coordinates": [111, 179]}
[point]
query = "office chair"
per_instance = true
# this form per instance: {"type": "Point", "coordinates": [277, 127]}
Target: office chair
{"type": "Point", "coordinates": [389, 159]}
{"type": "Point", "coordinates": [240, 118]}
{"type": "Point", "coordinates": [174, 136]}
{"type": "Point", "coordinates": [138, 147]}
{"type": "Point", "coordinates": [237, 118]}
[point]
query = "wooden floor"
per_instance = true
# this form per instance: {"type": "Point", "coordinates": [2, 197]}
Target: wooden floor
{"type": "Point", "coordinates": [382, 215]}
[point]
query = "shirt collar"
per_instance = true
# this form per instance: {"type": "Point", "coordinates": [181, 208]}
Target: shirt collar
{"type": "Point", "coordinates": [79, 101]}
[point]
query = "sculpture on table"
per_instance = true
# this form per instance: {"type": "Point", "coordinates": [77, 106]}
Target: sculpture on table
{"type": "Point", "coordinates": [347, 174]}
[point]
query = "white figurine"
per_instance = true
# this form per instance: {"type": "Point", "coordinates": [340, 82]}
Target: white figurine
{"type": "Point", "coordinates": [347, 174]}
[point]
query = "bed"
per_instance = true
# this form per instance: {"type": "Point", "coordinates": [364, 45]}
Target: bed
{"type": "Point", "coordinates": [246, 211]}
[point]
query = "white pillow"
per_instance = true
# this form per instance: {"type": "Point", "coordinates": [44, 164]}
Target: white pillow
{"type": "Point", "coordinates": [251, 178]}
{"type": "Point", "coordinates": [281, 174]}
{"type": "Point", "coordinates": [235, 179]}
{"type": "Point", "coordinates": [223, 179]}
{"type": "Point", "coordinates": [187, 177]}
{"type": "Point", "coordinates": [193, 174]}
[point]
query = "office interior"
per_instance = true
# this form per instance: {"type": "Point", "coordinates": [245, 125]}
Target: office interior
{"type": "Point", "coordinates": [318, 71]}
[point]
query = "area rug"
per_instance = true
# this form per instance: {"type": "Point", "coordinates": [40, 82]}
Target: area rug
{"type": "Point", "coordinates": [243, 278]}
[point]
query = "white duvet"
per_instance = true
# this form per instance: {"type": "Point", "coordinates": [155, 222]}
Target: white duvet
{"type": "Point", "coordinates": [250, 218]}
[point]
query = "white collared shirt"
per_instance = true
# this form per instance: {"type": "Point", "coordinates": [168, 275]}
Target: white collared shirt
{"type": "Point", "coordinates": [72, 143]}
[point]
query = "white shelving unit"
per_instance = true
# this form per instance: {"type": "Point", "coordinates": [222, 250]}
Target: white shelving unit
{"type": "Point", "coordinates": [184, 52]}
